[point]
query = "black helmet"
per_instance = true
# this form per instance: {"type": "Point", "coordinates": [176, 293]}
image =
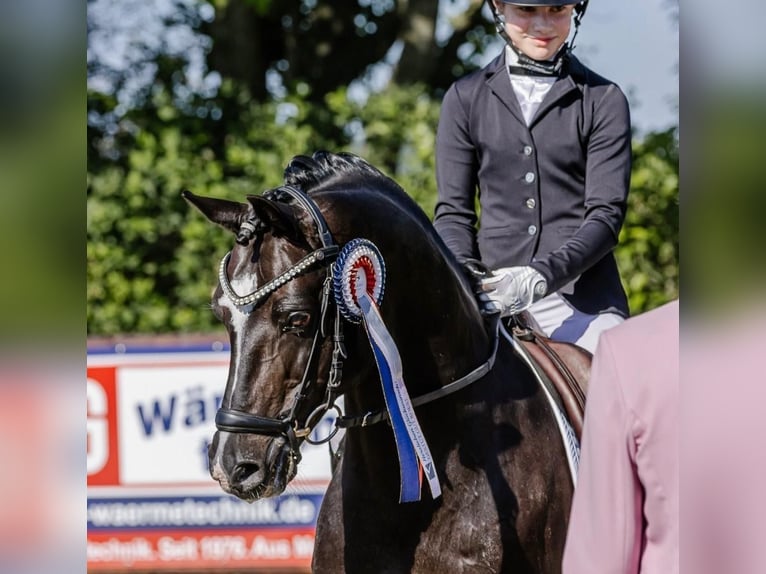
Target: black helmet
{"type": "Point", "coordinates": [580, 5]}
{"type": "Point", "coordinates": [548, 68]}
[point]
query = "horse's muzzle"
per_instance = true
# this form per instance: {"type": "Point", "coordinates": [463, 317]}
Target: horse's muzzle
{"type": "Point", "coordinates": [249, 476]}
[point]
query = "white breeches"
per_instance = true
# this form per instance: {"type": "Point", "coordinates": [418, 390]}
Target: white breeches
{"type": "Point", "coordinates": [558, 320]}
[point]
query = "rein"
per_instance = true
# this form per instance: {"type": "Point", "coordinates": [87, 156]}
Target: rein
{"type": "Point", "coordinates": [236, 421]}
{"type": "Point", "coordinates": [373, 417]}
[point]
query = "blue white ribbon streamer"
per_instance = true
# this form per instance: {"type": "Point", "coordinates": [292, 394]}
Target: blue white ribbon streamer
{"type": "Point", "coordinates": [358, 283]}
{"type": "Point", "coordinates": [410, 442]}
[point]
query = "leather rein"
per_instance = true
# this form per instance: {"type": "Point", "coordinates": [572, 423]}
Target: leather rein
{"type": "Point", "coordinates": [288, 426]}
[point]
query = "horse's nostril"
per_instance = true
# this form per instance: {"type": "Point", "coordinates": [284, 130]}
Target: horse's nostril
{"type": "Point", "coordinates": [243, 471]}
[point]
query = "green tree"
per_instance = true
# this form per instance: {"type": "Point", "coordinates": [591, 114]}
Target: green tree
{"type": "Point", "coordinates": [152, 260]}
{"type": "Point", "coordinates": [328, 45]}
{"type": "Point", "coordinates": [647, 253]}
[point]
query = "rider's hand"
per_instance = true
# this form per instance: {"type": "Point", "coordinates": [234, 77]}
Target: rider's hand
{"type": "Point", "coordinates": [476, 272]}
{"type": "Point", "coordinates": [513, 289]}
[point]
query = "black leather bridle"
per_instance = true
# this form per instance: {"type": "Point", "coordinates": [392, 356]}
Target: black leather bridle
{"type": "Point", "coordinates": [236, 421]}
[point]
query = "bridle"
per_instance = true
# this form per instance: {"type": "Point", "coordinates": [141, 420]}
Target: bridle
{"type": "Point", "coordinates": [288, 426]}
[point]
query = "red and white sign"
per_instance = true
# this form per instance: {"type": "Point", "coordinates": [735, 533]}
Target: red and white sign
{"type": "Point", "coordinates": [177, 550]}
{"type": "Point", "coordinates": [151, 501]}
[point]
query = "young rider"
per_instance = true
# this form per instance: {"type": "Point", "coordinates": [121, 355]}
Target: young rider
{"type": "Point", "coordinates": [545, 145]}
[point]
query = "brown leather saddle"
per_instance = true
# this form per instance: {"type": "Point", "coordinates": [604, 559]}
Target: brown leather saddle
{"type": "Point", "coordinates": [565, 365]}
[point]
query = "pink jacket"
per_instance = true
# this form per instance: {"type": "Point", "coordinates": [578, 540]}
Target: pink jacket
{"type": "Point", "coordinates": [625, 512]}
{"type": "Point", "coordinates": [723, 444]}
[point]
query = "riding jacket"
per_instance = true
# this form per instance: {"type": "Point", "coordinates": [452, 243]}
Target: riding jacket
{"type": "Point", "coordinates": [552, 194]}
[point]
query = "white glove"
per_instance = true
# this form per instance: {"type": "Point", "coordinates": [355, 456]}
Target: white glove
{"type": "Point", "coordinates": [513, 289]}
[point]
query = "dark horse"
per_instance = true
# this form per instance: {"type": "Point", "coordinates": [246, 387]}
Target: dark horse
{"type": "Point", "coordinates": [506, 490]}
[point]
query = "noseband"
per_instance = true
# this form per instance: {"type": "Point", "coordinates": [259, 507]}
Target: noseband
{"type": "Point", "coordinates": [235, 421]}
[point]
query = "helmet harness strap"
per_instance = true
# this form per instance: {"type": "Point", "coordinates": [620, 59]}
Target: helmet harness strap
{"type": "Point", "coordinates": [530, 66]}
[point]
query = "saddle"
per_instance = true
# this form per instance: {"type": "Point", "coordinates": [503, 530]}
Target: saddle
{"type": "Point", "coordinates": [565, 365]}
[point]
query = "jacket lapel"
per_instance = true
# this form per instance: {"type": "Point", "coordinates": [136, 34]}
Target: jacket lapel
{"type": "Point", "coordinates": [558, 90]}
{"type": "Point", "coordinates": [500, 85]}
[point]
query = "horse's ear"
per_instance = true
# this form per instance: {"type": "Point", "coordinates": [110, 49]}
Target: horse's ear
{"type": "Point", "coordinates": [278, 216]}
{"type": "Point", "coordinates": [227, 214]}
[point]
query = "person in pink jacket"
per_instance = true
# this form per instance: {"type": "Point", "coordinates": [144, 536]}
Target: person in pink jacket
{"type": "Point", "coordinates": [723, 457]}
{"type": "Point", "coordinates": [624, 516]}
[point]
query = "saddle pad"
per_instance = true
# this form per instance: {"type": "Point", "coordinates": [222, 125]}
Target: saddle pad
{"type": "Point", "coordinates": [569, 439]}
{"type": "Point", "coordinates": [567, 366]}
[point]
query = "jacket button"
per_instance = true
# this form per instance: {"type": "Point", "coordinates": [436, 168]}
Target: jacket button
{"type": "Point", "coordinates": [527, 150]}
{"type": "Point", "coordinates": [531, 203]}
{"type": "Point", "coordinates": [530, 177]}
{"type": "Point", "coordinates": [531, 229]}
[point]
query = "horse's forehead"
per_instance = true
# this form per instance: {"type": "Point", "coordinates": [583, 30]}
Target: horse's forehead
{"type": "Point", "coordinates": [253, 265]}
{"type": "Point", "coordinates": [245, 282]}
{"type": "Point", "coordinates": [249, 270]}
{"type": "Point", "coordinates": [244, 274]}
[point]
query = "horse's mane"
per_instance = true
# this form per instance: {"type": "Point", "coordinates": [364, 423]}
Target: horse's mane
{"type": "Point", "coordinates": [326, 169]}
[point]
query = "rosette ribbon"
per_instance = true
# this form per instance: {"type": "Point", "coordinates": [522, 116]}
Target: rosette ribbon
{"type": "Point", "coordinates": [358, 284]}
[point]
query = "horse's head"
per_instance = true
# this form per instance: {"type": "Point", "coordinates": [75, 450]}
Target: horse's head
{"type": "Point", "coordinates": [274, 295]}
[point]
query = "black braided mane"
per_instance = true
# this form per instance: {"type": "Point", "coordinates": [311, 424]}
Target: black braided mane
{"type": "Point", "coordinates": [325, 170]}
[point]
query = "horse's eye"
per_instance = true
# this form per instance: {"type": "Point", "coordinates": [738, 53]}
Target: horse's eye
{"type": "Point", "coordinates": [296, 322]}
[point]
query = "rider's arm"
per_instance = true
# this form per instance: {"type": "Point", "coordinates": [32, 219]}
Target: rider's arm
{"type": "Point", "coordinates": [607, 178]}
{"type": "Point", "coordinates": [456, 168]}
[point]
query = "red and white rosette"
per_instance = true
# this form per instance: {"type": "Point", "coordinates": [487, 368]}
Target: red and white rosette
{"type": "Point", "coordinates": [359, 267]}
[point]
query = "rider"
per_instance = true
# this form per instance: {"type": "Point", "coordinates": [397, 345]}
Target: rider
{"type": "Point", "coordinates": [545, 143]}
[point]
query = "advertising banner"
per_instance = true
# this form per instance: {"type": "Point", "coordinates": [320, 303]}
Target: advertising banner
{"type": "Point", "coordinates": [152, 504]}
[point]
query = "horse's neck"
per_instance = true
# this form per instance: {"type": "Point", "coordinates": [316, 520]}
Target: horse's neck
{"type": "Point", "coordinates": [428, 307]}
{"type": "Point", "coordinates": [436, 348]}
